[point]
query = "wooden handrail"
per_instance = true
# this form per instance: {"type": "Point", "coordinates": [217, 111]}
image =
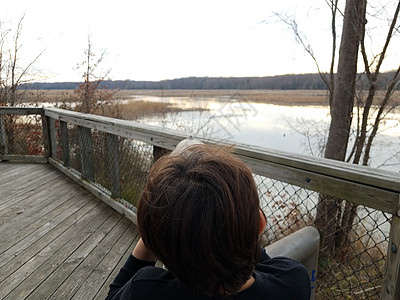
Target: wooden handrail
{"type": "Point", "coordinates": [378, 189]}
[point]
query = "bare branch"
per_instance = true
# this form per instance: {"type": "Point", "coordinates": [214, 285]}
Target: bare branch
{"type": "Point", "coordinates": [292, 24]}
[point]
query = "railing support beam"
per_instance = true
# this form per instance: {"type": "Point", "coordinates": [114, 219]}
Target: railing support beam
{"type": "Point", "coordinates": [3, 137]}
{"type": "Point", "coordinates": [391, 279]}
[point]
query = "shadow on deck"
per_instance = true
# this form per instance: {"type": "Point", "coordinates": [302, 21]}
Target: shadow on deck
{"type": "Point", "coordinates": [57, 240]}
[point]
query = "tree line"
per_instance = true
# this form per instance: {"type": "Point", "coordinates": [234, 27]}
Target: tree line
{"type": "Point", "coordinates": [279, 82]}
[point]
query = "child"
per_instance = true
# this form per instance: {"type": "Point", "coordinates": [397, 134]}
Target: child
{"type": "Point", "coordinates": [199, 214]}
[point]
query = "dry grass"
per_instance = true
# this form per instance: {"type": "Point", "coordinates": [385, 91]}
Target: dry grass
{"type": "Point", "coordinates": [136, 109]}
{"type": "Point", "coordinates": [279, 97]}
{"type": "Point", "coordinates": [282, 97]}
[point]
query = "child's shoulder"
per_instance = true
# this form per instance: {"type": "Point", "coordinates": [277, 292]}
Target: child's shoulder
{"type": "Point", "coordinates": [153, 273]}
{"type": "Point", "coordinates": [285, 277]}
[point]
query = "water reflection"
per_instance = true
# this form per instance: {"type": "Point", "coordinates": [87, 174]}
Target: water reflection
{"type": "Point", "coordinates": [295, 129]}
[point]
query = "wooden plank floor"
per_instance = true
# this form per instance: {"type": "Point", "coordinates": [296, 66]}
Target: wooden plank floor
{"type": "Point", "coordinates": [57, 241]}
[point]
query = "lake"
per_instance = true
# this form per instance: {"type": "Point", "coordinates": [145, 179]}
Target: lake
{"type": "Point", "coordinates": [293, 129]}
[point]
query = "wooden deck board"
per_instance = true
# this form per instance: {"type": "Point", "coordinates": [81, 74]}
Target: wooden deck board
{"type": "Point", "coordinates": [34, 200]}
{"type": "Point", "coordinates": [24, 185]}
{"type": "Point", "coordinates": [119, 260]}
{"type": "Point", "coordinates": [52, 239]}
{"type": "Point", "coordinates": [21, 222]}
{"type": "Point", "coordinates": [10, 174]}
{"type": "Point", "coordinates": [21, 238]}
{"type": "Point", "coordinates": [57, 240]}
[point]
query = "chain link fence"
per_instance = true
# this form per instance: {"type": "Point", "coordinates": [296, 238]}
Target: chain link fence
{"type": "Point", "coordinates": [21, 135]}
{"type": "Point", "coordinates": [355, 271]}
{"type": "Point", "coordinates": [115, 164]}
{"type": "Point", "coordinates": [119, 165]}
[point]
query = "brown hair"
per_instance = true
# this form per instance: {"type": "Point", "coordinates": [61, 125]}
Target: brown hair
{"type": "Point", "coordinates": [199, 215]}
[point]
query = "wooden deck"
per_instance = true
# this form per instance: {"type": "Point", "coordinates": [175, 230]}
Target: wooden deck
{"type": "Point", "coordinates": [57, 241]}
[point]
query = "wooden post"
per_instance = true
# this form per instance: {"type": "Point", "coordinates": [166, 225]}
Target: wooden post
{"type": "Point", "coordinates": [52, 137]}
{"type": "Point", "coordinates": [65, 143]}
{"type": "Point", "coordinates": [85, 141]}
{"type": "Point", "coordinates": [46, 135]}
{"type": "Point", "coordinates": [3, 137]}
{"type": "Point", "coordinates": [391, 278]}
{"type": "Point", "coordinates": [112, 159]}
{"type": "Point", "coordinates": [158, 152]}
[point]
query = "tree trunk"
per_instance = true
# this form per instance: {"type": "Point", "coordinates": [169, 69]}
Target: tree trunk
{"type": "Point", "coordinates": [328, 210]}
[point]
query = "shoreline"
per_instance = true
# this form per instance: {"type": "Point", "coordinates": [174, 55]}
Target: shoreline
{"type": "Point", "coordinates": [276, 97]}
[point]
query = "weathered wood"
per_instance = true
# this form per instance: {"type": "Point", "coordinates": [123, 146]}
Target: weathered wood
{"type": "Point", "coordinates": [158, 153]}
{"type": "Point", "coordinates": [72, 265]}
{"type": "Point", "coordinates": [23, 184]}
{"type": "Point", "coordinates": [166, 138]}
{"type": "Point", "coordinates": [11, 174]}
{"type": "Point", "coordinates": [52, 137]}
{"type": "Point", "coordinates": [46, 135]}
{"type": "Point", "coordinates": [112, 162]}
{"type": "Point", "coordinates": [68, 227]}
{"type": "Point", "coordinates": [26, 200]}
{"type": "Point", "coordinates": [23, 240]}
{"type": "Point", "coordinates": [21, 223]}
{"type": "Point", "coordinates": [24, 158]}
{"type": "Point", "coordinates": [3, 137]}
{"type": "Point", "coordinates": [356, 192]}
{"type": "Point", "coordinates": [115, 268]}
{"type": "Point", "coordinates": [65, 143]}
{"type": "Point", "coordinates": [112, 262]}
{"type": "Point", "coordinates": [391, 279]}
{"type": "Point", "coordinates": [72, 244]}
{"type": "Point", "coordinates": [82, 272]}
{"type": "Point", "coordinates": [335, 169]}
{"type": "Point", "coordinates": [29, 276]}
{"type": "Point", "coordinates": [85, 143]}
{"type": "Point", "coordinates": [21, 110]}
{"type": "Point", "coordinates": [128, 213]}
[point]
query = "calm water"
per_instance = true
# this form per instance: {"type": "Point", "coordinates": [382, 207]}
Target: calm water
{"type": "Point", "coordinates": [295, 129]}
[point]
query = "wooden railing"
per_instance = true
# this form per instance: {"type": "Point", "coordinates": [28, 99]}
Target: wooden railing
{"type": "Point", "coordinates": [365, 186]}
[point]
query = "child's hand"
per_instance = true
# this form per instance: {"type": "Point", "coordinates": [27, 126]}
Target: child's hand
{"type": "Point", "coordinates": [141, 252]}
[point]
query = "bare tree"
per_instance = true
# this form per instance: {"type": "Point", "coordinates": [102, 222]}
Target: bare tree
{"type": "Point", "coordinates": [329, 215]}
{"type": "Point", "coordinates": [90, 94]}
{"type": "Point", "coordinates": [301, 38]}
{"type": "Point", "coordinates": [12, 74]}
{"type": "Point", "coordinates": [334, 216]}
{"type": "Point", "coordinates": [365, 136]}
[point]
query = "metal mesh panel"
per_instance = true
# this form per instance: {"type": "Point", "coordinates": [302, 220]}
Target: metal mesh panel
{"type": "Point", "coordinates": [120, 165]}
{"type": "Point", "coordinates": [74, 148]}
{"type": "Point", "coordinates": [135, 162]}
{"type": "Point", "coordinates": [355, 271]}
{"type": "Point", "coordinates": [21, 135]}
{"type": "Point", "coordinates": [115, 164]}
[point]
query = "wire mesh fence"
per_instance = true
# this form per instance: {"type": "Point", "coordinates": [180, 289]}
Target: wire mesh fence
{"type": "Point", "coordinates": [115, 164]}
{"type": "Point", "coordinates": [21, 135]}
{"type": "Point", "coordinates": [355, 269]}
{"type": "Point", "coordinates": [118, 165]}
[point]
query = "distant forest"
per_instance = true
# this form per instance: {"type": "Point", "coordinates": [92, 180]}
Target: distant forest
{"type": "Point", "coordinates": [280, 82]}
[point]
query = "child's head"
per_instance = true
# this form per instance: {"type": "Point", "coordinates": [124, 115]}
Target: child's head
{"type": "Point", "coordinates": [199, 214]}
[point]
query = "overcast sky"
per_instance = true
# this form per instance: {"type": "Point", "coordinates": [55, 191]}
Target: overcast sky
{"type": "Point", "coordinates": [166, 39]}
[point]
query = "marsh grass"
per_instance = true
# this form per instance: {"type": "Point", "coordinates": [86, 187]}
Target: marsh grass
{"type": "Point", "coordinates": [278, 97]}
